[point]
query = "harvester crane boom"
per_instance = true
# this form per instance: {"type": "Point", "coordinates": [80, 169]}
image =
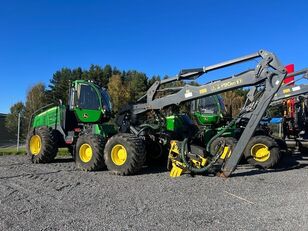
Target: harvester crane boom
{"type": "Point", "coordinates": [269, 72]}
{"type": "Point", "coordinates": [286, 90]}
{"type": "Point", "coordinates": [254, 120]}
{"type": "Point", "coordinates": [189, 92]}
{"type": "Point", "coordinates": [290, 90]}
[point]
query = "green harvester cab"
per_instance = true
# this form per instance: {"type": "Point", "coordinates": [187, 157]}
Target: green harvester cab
{"type": "Point", "coordinates": [85, 117]}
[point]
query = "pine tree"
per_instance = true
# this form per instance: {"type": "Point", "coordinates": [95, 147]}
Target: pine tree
{"type": "Point", "coordinates": [59, 84]}
{"type": "Point", "coordinates": [136, 83]}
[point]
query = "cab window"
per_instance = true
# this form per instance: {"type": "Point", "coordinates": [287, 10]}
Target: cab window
{"type": "Point", "coordinates": [208, 105]}
{"type": "Point", "coordinates": [88, 98]}
{"type": "Point", "coordinates": [106, 100]}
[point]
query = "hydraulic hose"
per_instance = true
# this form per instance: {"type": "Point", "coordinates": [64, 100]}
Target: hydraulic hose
{"type": "Point", "coordinates": [188, 165]}
{"type": "Point", "coordinates": [145, 126]}
{"type": "Point", "coordinates": [184, 149]}
{"type": "Point", "coordinates": [220, 133]}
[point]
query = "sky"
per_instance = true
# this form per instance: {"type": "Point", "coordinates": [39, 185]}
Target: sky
{"type": "Point", "coordinates": [157, 37]}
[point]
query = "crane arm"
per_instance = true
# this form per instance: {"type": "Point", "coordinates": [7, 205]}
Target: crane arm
{"type": "Point", "coordinates": [266, 69]}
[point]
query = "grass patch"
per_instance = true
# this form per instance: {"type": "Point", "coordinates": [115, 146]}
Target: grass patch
{"type": "Point", "coordinates": [22, 151]}
{"type": "Point", "coordinates": [12, 151]}
{"type": "Point", "coordinates": [63, 152]}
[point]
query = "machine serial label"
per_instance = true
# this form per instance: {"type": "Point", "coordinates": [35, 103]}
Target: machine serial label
{"type": "Point", "coordinates": [286, 91]}
{"type": "Point", "coordinates": [188, 94]}
{"type": "Point", "coordinates": [220, 86]}
{"type": "Point", "coordinates": [203, 91]}
{"type": "Point", "coordinates": [296, 88]}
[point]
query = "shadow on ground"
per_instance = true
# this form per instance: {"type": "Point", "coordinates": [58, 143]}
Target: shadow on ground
{"type": "Point", "coordinates": [287, 163]}
{"type": "Point", "coordinates": [63, 160]}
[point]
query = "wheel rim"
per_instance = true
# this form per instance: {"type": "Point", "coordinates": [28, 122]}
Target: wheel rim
{"type": "Point", "coordinates": [118, 154]}
{"type": "Point", "coordinates": [85, 153]}
{"type": "Point", "coordinates": [260, 152]}
{"type": "Point", "coordinates": [35, 145]}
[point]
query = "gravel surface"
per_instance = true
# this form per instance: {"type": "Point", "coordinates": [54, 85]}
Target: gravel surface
{"type": "Point", "coordinates": [57, 196]}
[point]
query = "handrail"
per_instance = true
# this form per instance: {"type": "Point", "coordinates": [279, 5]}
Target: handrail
{"type": "Point", "coordinates": [37, 111]}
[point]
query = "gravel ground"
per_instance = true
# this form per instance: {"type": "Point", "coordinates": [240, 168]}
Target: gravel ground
{"type": "Point", "coordinates": [57, 196]}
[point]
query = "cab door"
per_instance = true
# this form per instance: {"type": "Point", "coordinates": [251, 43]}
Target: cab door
{"type": "Point", "coordinates": [88, 107]}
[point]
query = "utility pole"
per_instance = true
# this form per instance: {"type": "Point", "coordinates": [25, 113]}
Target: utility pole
{"type": "Point", "coordinates": [18, 131]}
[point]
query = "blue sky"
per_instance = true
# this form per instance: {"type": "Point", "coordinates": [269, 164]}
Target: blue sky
{"type": "Point", "coordinates": [157, 37]}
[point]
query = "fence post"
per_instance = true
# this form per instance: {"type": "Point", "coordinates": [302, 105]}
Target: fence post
{"type": "Point", "coordinates": [18, 131]}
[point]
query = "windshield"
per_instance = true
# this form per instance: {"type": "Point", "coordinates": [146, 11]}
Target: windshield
{"type": "Point", "coordinates": [87, 97]}
{"type": "Point", "coordinates": [106, 100]}
{"type": "Point", "coordinates": [208, 105]}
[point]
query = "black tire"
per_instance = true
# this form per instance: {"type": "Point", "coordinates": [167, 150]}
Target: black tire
{"type": "Point", "coordinates": [267, 160]}
{"type": "Point", "coordinates": [282, 145]}
{"type": "Point", "coordinates": [95, 145]}
{"type": "Point", "coordinates": [156, 153]}
{"type": "Point", "coordinates": [302, 149]}
{"type": "Point", "coordinates": [135, 155]}
{"type": "Point", "coordinates": [229, 141]}
{"type": "Point", "coordinates": [41, 145]}
{"type": "Point", "coordinates": [72, 150]}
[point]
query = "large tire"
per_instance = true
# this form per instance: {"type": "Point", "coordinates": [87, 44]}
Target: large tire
{"type": "Point", "coordinates": [156, 153]}
{"type": "Point", "coordinates": [124, 154]}
{"type": "Point", "coordinates": [89, 152]}
{"type": "Point", "coordinates": [229, 141]}
{"type": "Point", "coordinates": [282, 146]}
{"type": "Point", "coordinates": [262, 152]}
{"type": "Point", "coordinates": [41, 145]}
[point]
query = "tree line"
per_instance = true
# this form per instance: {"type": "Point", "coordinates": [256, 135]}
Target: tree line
{"type": "Point", "coordinates": [123, 87]}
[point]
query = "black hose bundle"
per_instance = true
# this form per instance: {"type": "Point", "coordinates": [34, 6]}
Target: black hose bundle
{"type": "Point", "coordinates": [215, 157]}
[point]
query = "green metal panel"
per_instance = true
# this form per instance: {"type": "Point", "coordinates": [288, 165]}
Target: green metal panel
{"type": "Point", "coordinates": [206, 119]}
{"type": "Point", "coordinates": [174, 122]}
{"type": "Point", "coordinates": [229, 132]}
{"type": "Point", "coordinates": [210, 132]}
{"type": "Point", "coordinates": [87, 115]}
{"type": "Point", "coordinates": [105, 130]}
{"type": "Point", "coordinates": [170, 123]}
{"type": "Point", "coordinates": [49, 118]}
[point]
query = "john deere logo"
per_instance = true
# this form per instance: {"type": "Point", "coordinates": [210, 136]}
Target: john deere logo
{"type": "Point", "coordinates": [85, 115]}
